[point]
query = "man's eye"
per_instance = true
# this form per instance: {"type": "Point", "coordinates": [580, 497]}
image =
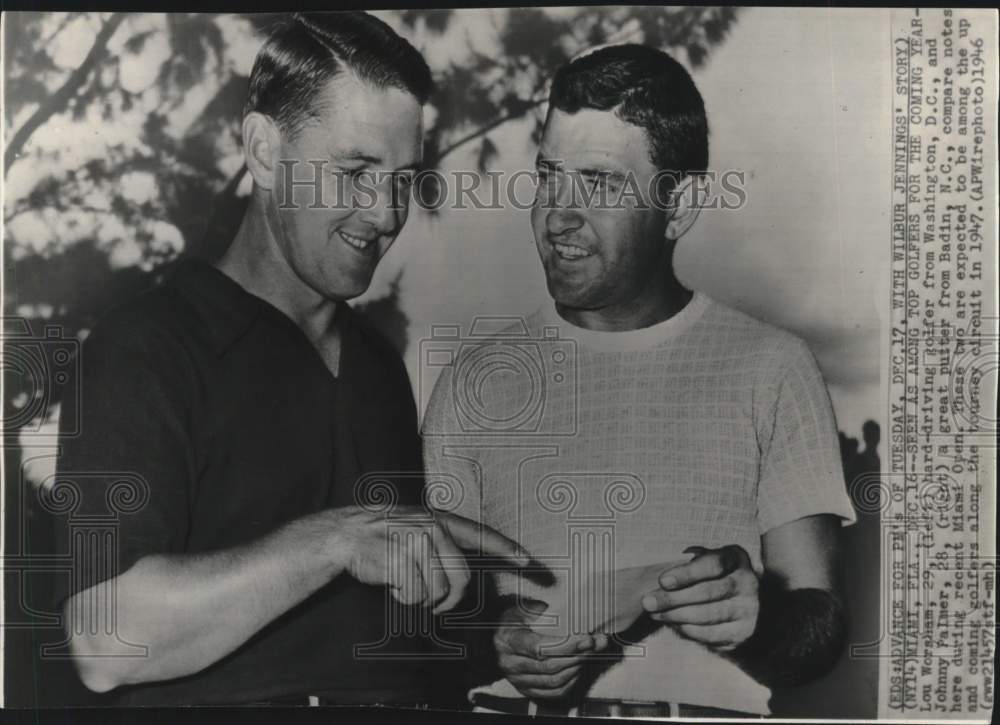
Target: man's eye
{"type": "Point", "coordinates": [351, 173]}
{"type": "Point", "coordinates": [600, 181]}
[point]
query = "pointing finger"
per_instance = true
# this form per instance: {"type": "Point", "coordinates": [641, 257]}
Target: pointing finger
{"type": "Point", "coordinates": [454, 568]}
{"type": "Point", "coordinates": [473, 536]}
{"type": "Point", "coordinates": [431, 569]}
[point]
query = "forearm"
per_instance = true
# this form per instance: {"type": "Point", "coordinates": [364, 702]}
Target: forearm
{"type": "Point", "coordinates": [799, 636]}
{"type": "Point", "coordinates": [192, 610]}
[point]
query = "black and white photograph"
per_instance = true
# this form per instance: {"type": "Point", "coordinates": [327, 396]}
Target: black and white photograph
{"type": "Point", "coordinates": [631, 362]}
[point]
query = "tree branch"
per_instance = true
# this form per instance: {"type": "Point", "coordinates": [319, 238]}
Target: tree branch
{"type": "Point", "coordinates": [58, 100]}
{"type": "Point", "coordinates": [223, 222]}
{"type": "Point", "coordinates": [70, 17]}
{"type": "Point", "coordinates": [528, 105]}
{"type": "Point", "coordinates": [234, 182]}
{"type": "Point", "coordinates": [23, 207]}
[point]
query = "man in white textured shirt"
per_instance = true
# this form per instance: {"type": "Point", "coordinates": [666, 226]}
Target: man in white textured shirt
{"type": "Point", "coordinates": [637, 427]}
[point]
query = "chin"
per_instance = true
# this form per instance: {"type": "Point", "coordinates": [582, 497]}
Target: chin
{"type": "Point", "coordinates": [342, 295]}
{"type": "Point", "coordinates": [342, 290]}
{"type": "Point", "coordinates": [567, 296]}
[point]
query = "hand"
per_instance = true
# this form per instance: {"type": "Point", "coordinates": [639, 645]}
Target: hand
{"type": "Point", "coordinates": [713, 599]}
{"type": "Point", "coordinates": [417, 553]}
{"type": "Point", "coordinates": [539, 666]}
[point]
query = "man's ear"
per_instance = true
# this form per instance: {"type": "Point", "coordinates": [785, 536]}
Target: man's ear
{"type": "Point", "coordinates": [685, 207]}
{"type": "Point", "coordinates": [261, 142]}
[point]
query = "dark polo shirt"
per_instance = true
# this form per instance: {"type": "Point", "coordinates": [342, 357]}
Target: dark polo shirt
{"type": "Point", "coordinates": [207, 420]}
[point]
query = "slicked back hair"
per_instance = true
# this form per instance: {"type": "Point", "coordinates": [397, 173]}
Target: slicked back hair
{"type": "Point", "coordinates": [304, 51]}
{"type": "Point", "coordinates": [644, 87]}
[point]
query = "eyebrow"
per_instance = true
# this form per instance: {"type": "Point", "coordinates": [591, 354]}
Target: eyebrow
{"type": "Point", "coordinates": [589, 171]}
{"type": "Point", "coordinates": [355, 154]}
{"type": "Point", "coordinates": [610, 173]}
{"type": "Point", "coordinates": [545, 161]}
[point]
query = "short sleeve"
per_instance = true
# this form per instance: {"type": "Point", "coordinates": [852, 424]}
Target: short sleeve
{"type": "Point", "coordinates": [124, 475]}
{"type": "Point", "coordinates": [800, 468]}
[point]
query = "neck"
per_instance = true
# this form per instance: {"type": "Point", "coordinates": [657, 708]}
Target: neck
{"type": "Point", "coordinates": [659, 298]}
{"type": "Point", "coordinates": [256, 263]}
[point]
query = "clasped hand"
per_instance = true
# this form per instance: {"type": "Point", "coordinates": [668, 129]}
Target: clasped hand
{"type": "Point", "coordinates": [541, 667]}
{"type": "Point", "coordinates": [713, 599]}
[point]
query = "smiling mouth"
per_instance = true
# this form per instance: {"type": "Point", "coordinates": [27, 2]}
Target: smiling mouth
{"type": "Point", "coordinates": [570, 251]}
{"type": "Point", "coordinates": [357, 242]}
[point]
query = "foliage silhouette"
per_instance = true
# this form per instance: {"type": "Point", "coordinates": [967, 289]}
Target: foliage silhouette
{"type": "Point", "coordinates": [124, 130]}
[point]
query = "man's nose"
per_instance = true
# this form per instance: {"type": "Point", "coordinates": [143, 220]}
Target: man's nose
{"type": "Point", "coordinates": [563, 213]}
{"type": "Point", "coordinates": [384, 207]}
{"type": "Point", "coordinates": [562, 220]}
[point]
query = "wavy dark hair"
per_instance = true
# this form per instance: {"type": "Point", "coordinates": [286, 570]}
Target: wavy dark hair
{"type": "Point", "coordinates": [303, 51]}
{"type": "Point", "coordinates": [644, 87]}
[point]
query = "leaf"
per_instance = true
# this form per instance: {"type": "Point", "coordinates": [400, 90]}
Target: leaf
{"type": "Point", "coordinates": [432, 147]}
{"type": "Point", "coordinates": [529, 35]}
{"type": "Point", "coordinates": [537, 130]}
{"type": "Point", "coordinates": [696, 54]}
{"type": "Point", "coordinates": [498, 80]}
{"type": "Point", "coordinates": [513, 103]}
{"type": "Point", "coordinates": [409, 18]}
{"type": "Point", "coordinates": [137, 42]}
{"type": "Point", "coordinates": [195, 40]}
{"type": "Point", "coordinates": [487, 155]}
{"type": "Point", "coordinates": [23, 91]}
{"type": "Point", "coordinates": [262, 21]}
{"type": "Point", "coordinates": [437, 20]}
{"type": "Point", "coordinates": [597, 35]}
{"type": "Point", "coordinates": [428, 193]}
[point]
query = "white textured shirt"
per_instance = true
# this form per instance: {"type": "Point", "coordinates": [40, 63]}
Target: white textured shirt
{"type": "Point", "coordinates": [607, 450]}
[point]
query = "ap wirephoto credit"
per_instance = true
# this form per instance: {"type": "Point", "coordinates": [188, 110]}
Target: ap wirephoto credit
{"type": "Point", "coordinates": [588, 362]}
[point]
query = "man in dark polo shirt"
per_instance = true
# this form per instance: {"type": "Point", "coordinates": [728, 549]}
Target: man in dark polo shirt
{"type": "Point", "coordinates": [231, 418]}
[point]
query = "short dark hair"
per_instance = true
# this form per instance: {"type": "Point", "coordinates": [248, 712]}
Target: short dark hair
{"type": "Point", "coordinates": [644, 87]}
{"type": "Point", "coordinates": [303, 51]}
